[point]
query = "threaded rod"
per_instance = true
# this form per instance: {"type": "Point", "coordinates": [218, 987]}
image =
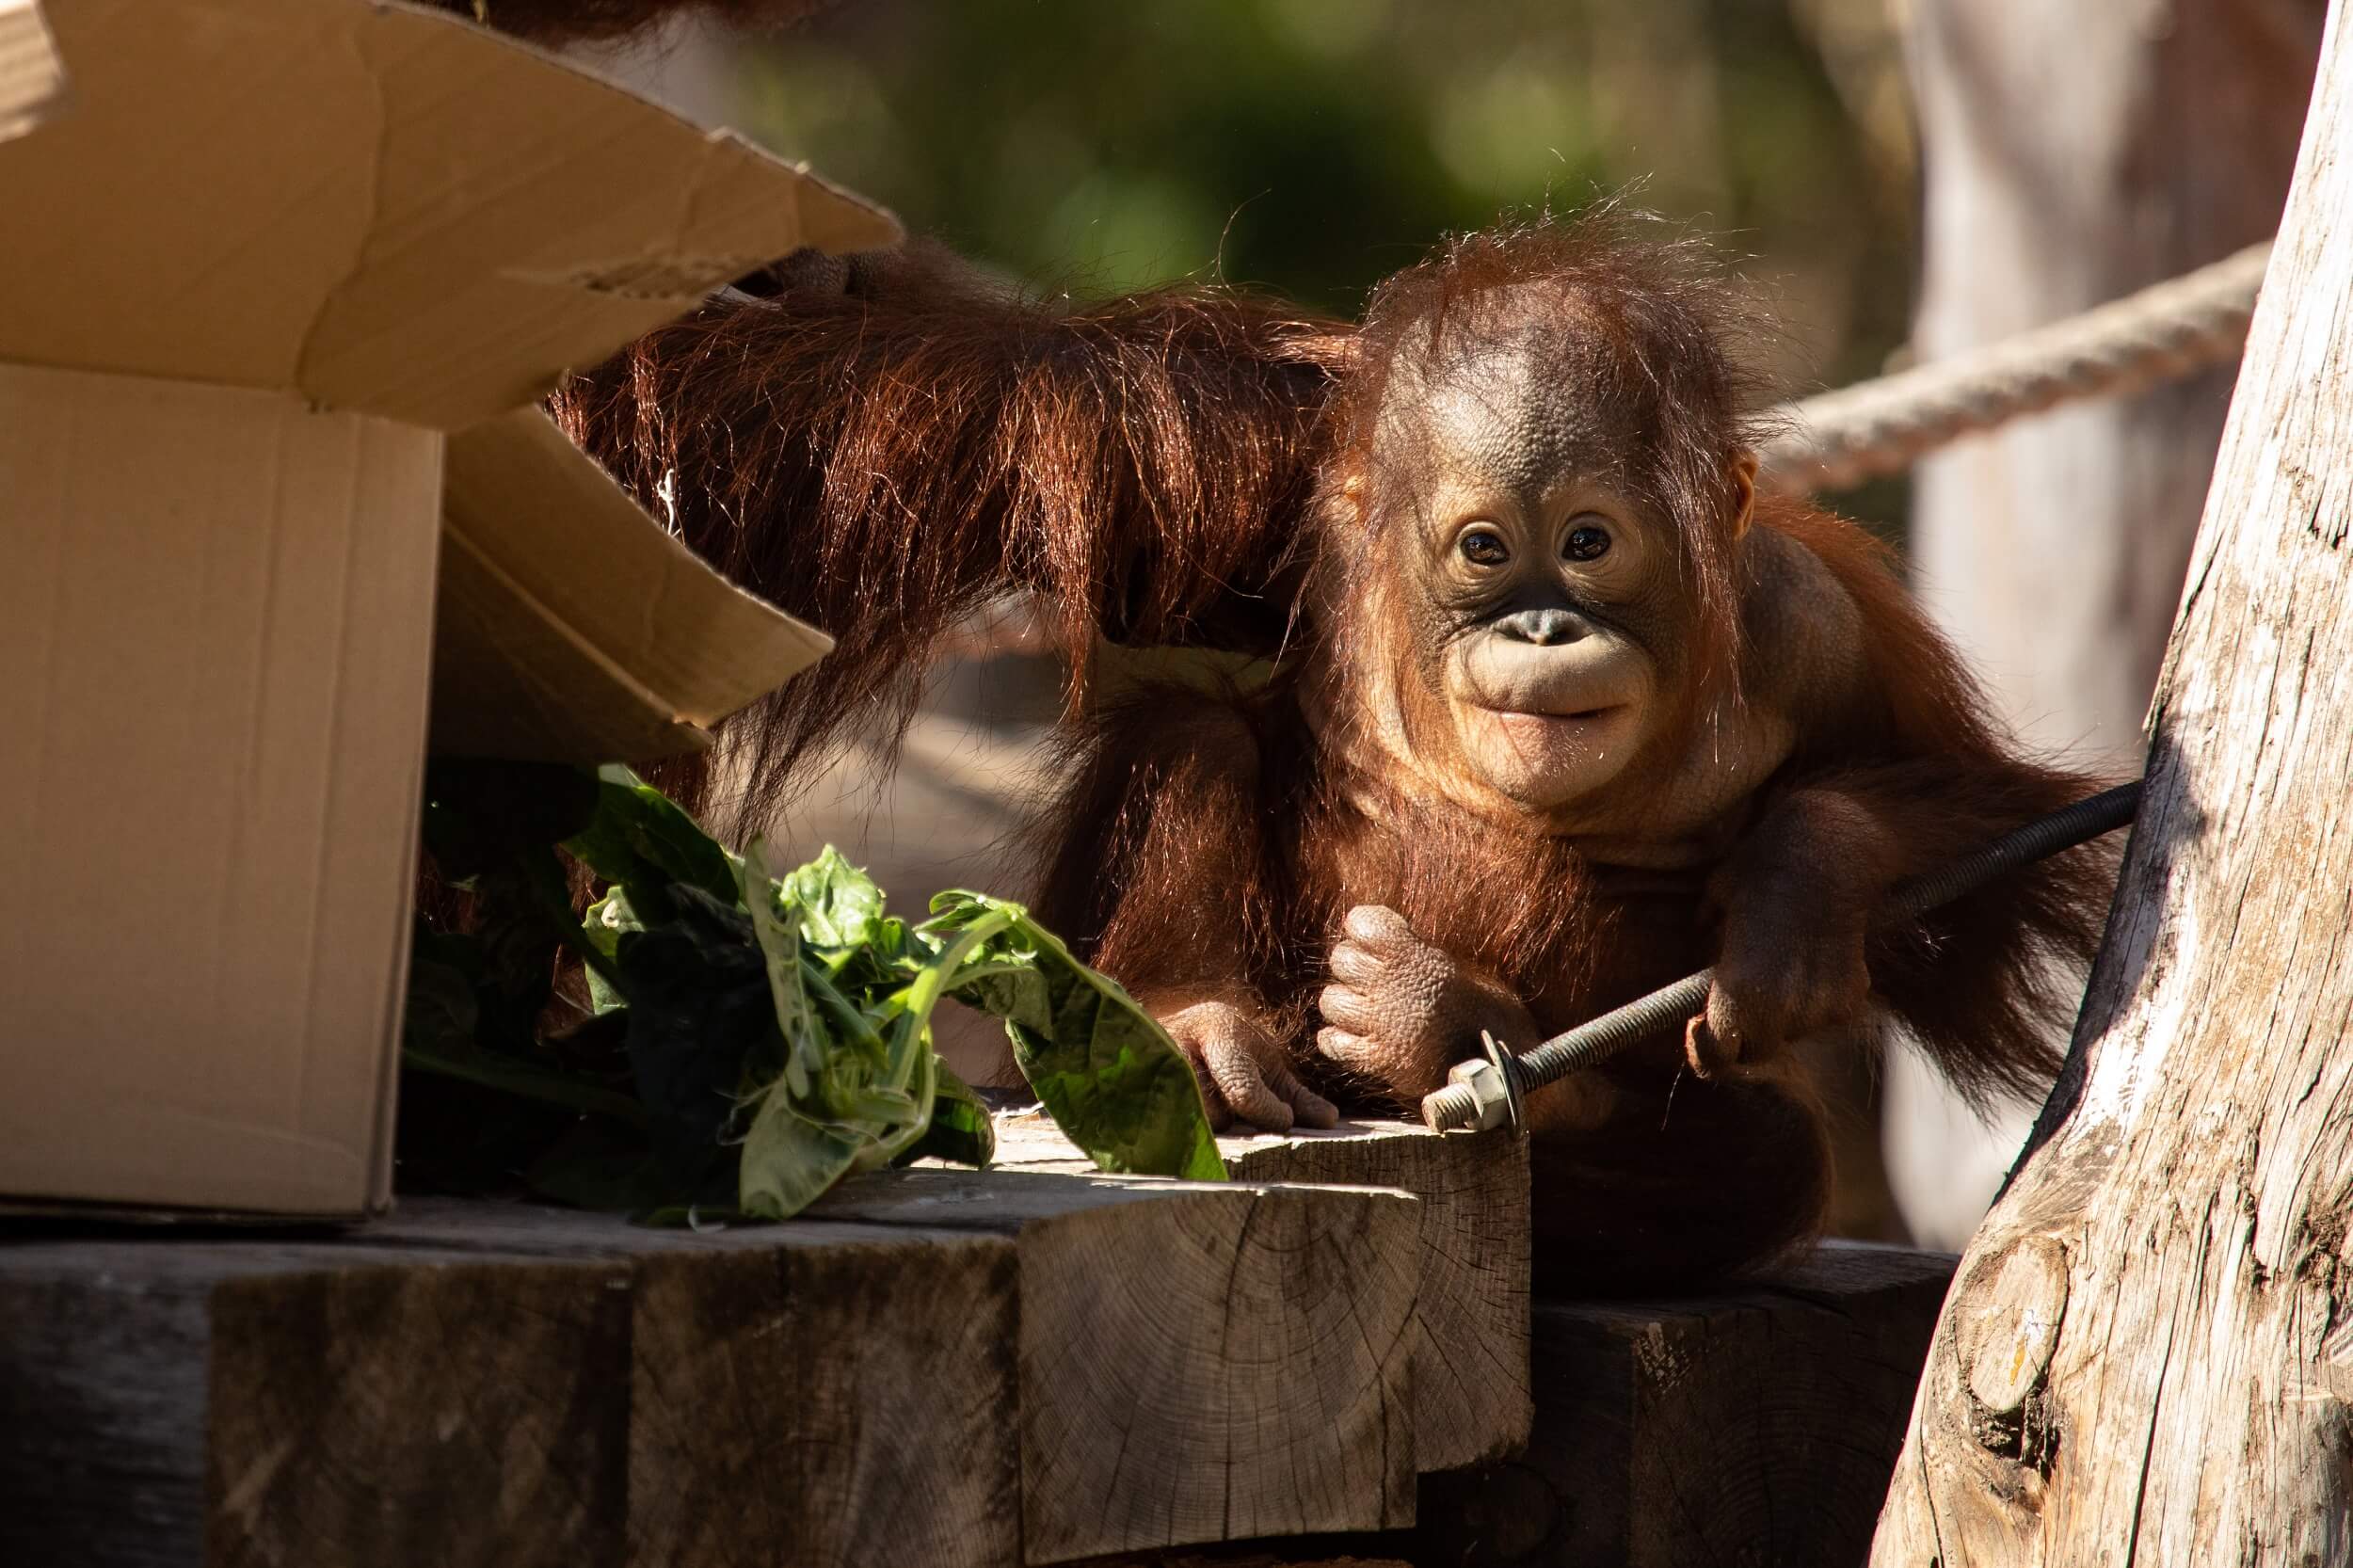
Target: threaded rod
{"type": "Point", "coordinates": [1595, 1041]}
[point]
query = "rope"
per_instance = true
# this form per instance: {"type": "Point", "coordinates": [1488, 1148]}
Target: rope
{"type": "Point", "coordinates": [1877, 427]}
{"type": "Point", "coordinates": [2163, 334]}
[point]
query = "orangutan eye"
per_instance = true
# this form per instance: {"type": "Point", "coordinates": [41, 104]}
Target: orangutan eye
{"type": "Point", "coordinates": [1587, 544]}
{"type": "Point", "coordinates": [1483, 547]}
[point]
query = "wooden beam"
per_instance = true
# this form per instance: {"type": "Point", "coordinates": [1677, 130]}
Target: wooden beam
{"type": "Point", "coordinates": [945, 1369]}
{"type": "Point", "coordinates": [501, 1385]}
{"type": "Point", "coordinates": [1471, 1400]}
{"type": "Point", "coordinates": [879, 1360]}
{"type": "Point", "coordinates": [258, 1402]}
{"type": "Point", "coordinates": [1758, 1425]}
{"type": "Point", "coordinates": [1199, 1362]}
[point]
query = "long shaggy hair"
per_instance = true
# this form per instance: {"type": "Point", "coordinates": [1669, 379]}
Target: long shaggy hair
{"type": "Point", "coordinates": [1978, 981]}
{"type": "Point", "coordinates": [885, 464]}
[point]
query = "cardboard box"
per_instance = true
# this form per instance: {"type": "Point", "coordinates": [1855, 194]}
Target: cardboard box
{"type": "Point", "coordinates": [281, 283]}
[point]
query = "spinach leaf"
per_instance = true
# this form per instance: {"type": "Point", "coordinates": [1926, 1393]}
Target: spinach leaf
{"type": "Point", "coordinates": [752, 1037]}
{"type": "Point", "coordinates": [638, 839]}
{"type": "Point", "coordinates": [858, 1076]}
{"type": "Point", "coordinates": [840, 906]}
{"type": "Point", "coordinates": [961, 1130]}
{"type": "Point", "coordinates": [700, 1023]}
{"type": "Point", "coordinates": [1105, 1071]}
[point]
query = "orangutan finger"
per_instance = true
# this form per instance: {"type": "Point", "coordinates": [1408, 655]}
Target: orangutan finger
{"type": "Point", "coordinates": [1380, 925]}
{"type": "Point", "coordinates": [1245, 1086]}
{"type": "Point", "coordinates": [1311, 1108]}
{"type": "Point", "coordinates": [1345, 1047]}
{"type": "Point", "coordinates": [1348, 1008]}
{"type": "Point", "coordinates": [1354, 962]}
{"type": "Point", "coordinates": [1220, 1114]}
{"type": "Point", "coordinates": [1710, 1053]}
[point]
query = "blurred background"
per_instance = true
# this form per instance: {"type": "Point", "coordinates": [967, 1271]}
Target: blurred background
{"type": "Point", "coordinates": [1902, 179]}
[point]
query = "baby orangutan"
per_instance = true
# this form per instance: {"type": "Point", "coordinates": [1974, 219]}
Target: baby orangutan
{"type": "Point", "coordinates": [1560, 707]}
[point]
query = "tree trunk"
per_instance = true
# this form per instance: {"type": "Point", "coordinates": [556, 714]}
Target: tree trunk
{"type": "Point", "coordinates": [2074, 151]}
{"type": "Point", "coordinates": [2147, 1355]}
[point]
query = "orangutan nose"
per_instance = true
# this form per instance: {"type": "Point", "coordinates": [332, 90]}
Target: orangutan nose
{"type": "Point", "coordinates": [1544, 628]}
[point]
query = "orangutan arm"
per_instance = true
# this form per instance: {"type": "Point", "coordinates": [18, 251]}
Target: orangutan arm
{"type": "Point", "coordinates": [1895, 772]}
{"type": "Point", "coordinates": [1159, 876]}
{"type": "Point", "coordinates": [885, 444]}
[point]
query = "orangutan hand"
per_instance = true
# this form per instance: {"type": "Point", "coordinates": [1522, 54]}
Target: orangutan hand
{"type": "Point", "coordinates": [1797, 899]}
{"type": "Point", "coordinates": [1401, 1012]}
{"type": "Point", "coordinates": [1245, 1074]}
{"type": "Point", "coordinates": [1777, 982]}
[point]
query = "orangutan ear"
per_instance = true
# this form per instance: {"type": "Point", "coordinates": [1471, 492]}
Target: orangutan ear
{"type": "Point", "coordinates": [1743, 491]}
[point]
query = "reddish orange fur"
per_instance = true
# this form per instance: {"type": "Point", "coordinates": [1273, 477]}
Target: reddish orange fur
{"type": "Point", "coordinates": [1200, 467]}
{"type": "Point", "coordinates": [883, 461]}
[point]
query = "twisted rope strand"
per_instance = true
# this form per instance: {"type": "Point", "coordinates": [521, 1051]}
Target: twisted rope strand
{"type": "Point", "coordinates": [2163, 334]}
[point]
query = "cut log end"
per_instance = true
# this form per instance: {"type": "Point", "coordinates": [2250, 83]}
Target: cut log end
{"type": "Point", "coordinates": [1471, 1384]}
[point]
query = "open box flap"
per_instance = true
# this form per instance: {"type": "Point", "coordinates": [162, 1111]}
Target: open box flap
{"type": "Point", "coordinates": [386, 209]}
{"type": "Point", "coordinates": [32, 79]}
{"type": "Point", "coordinates": [570, 628]}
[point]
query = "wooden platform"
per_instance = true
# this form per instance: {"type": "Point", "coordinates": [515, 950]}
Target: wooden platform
{"type": "Point", "coordinates": [1022, 1367]}
{"type": "Point", "coordinates": [942, 1368]}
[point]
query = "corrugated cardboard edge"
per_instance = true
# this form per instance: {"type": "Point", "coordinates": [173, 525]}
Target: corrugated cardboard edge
{"type": "Point", "coordinates": [32, 77]}
{"type": "Point", "coordinates": [571, 628]}
{"type": "Point", "coordinates": [390, 210]}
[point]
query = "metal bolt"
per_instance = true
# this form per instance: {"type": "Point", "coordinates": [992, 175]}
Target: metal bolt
{"type": "Point", "coordinates": [1478, 1095]}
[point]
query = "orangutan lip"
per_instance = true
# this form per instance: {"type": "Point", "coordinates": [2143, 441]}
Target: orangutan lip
{"type": "Point", "coordinates": [1581, 715]}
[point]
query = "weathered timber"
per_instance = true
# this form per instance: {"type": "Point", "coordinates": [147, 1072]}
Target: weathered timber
{"type": "Point", "coordinates": [1244, 1559]}
{"type": "Point", "coordinates": [1757, 1425]}
{"type": "Point", "coordinates": [797, 1393]}
{"type": "Point", "coordinates": [1199, 1362]}
{"type": "Point", "coordinates": [496, 1384]}
{"type": "Point", "coordinates": [235, 1402]}
{"type": "Point", "coordinates": [1471, 1402]}
{"type": "Point", "coordinates": [2145, 1357]}
{"type": "Point", "coordinates": [941, 1364]}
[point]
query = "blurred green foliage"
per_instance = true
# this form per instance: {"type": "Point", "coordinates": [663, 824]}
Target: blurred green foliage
{"type": "Point", "coordinates": [1313, 145]}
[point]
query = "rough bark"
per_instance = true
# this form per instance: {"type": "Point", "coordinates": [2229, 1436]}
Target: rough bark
{"type": "Point", "coordinates": [2074, 151]}
{"type": "Point", "coordinates": [2149, 1349]}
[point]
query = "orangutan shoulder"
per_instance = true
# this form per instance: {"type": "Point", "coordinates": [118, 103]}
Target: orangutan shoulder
{"type": "Point", "coordinates": [1804, 652]}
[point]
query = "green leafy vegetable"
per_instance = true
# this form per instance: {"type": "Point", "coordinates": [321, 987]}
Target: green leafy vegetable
{"type": "Point", "coordinates": [639, 841]}
{"type": "Point", "coordinates": [750, 1038]}
{"type": "Point", "coordinates": [961, 1130]}
{"type": "Point", "coordinates": [1105, 1071]}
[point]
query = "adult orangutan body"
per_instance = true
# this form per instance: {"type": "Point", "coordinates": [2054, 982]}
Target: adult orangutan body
{"type": "Point", "coordinates": [1562, 708]}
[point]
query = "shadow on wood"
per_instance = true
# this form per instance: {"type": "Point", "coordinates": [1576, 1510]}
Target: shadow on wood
{"type": "Point", "coordinates": [1755, 1426]}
